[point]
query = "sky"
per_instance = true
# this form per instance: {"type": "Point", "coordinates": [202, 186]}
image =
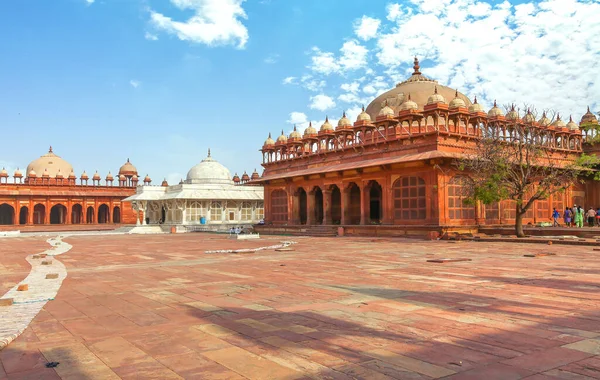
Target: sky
{"type": "Point", "coordinates": [162, 81]}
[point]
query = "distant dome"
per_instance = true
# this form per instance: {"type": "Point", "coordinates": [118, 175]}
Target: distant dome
{"type": "Point", "coordinates": [344, 122]}
{"type": "Point", "coordinates": [512, 114]}
{"type": "Point", "coordinates": [269, 141]}
{"type": "Point", "coordinates": [18, 173]}
{"type": "Point", "coordinates": [420, 88]}
{"type": "Point", "coordinates": [476, 107]}
{"type": "Point", "coordinates": [558, 123]}
{"type": "Point", "coordinates": [245, 177]}
{"type": "Point", "coordinates": [295, 134]}
{"type": "Point", "coordinates": [209, 171]}
{"type": "Point", "coordinates": [409, 105]}
{"type": "Point", "coordinates": [529, 118]}
{"type": "Point", "coordinates": [282, 139]}
{"type": "Point", "coordinates": [572, 125]}
{"type": "Point", "coordinates": [386, 111]}
{"type": "Point", "coordinates": [326, 127]}
{"type": "Point", "coordinates": [589, 118]}
{"type": "Point", "coordinates": [3, 173]}
{"type": "Point", "coordinates": [495, 111]}
{"type": "Point", "coordinates": [49, 163]}
{"type": "Point", "coordinates": [310, 130]}
{"type": "Point", "coordinates": [255, 175]}
{"type": "Point", "coordinates": [128, 169]}
{"type": "Point", "coordinates": [457, 101]}
{"type": "Point", "coordinates": [363, 116]}
{"type": "Point", "coordinates": [544, 121]}
{"type": "Point", "coordinates": [164, 183]}
{"type": "Point", "coordinates": [96, 176]}
{"type": "Point", "coordinates": [147, 179]}
{"type": "Point", "coordinates": [109, 177]}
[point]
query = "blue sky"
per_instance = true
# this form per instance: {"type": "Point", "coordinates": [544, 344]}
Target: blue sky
{"type": "Point", "coordinates": [105, 80]}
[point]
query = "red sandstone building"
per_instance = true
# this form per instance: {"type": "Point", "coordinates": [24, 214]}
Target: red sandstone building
{"type": "Point", "coordinates": [393, 167]}
{"type": "Point", "coordinates": [49, 192]}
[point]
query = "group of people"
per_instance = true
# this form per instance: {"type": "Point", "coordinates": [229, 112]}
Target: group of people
{"type": "Point", "coordinates": [574, 217]}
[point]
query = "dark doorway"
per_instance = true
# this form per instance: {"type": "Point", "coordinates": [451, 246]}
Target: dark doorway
{"type": "Point", "coordinates": [103, 214]}
{"type": "Point", "coordinates": [89, 217]}
{"type": "Point", "coordinates": [336, 205]}
{"type": "Point", "coordinates": [354, 204]}
{"type": "Point", "coordinates": [116, 214]}
{"type": "Point", "coordinates": [7, 214]}
{"type": "Point", "coordinates": [163, 215]}
{"type": "Point", "coordinates": [77, 214]}
{"type": "Point", "coordinates": [39, 214]}
{"type": "Point", "coordinates": [375, 202]}
{"type": "Point", "coordinates": [303, 205]}
{"type": "Point", "coordinates": [23, 215]}
{"type": "Point", "coordinates": [318, 206]}
{"type": "Point", "coordinates": [58, 214]}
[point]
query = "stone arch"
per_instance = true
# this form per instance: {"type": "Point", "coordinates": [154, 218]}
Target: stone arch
{"type": "Point", "coordinates": [302, 215]}
{"type": "Point", "coordinates": [89, 215]}
{"type": "Point", "coordinates": [279, 206]}
{"type": "Point", "coordinates": [116, 218]}
{"type": "Point", "coordinates": [76, 214]}
{"type": "Point", "coordinates": [39, 214]}
{"type": "Point", "coordinates": [58, 214]}
{"type": "Point", "coordinates": [353, 210]}
{"type": "Point", "coordinates": [410, 202]}
{"type": "Point", "coordinates": [103, 214]}
{"type": "Point", "coordinates": [375, 201]}
{"type": "Point", "coordinates": [336, 204]}
{"type": "Point", "coordinates": [24, 215]}
{"type": "Point", "coordinates": [7, 214]}
{"type": "Point", "coordinates": [319, 205]}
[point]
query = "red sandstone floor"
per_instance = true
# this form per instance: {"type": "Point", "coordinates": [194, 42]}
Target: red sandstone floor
{"type": "Point", "coordinates": [334, 308]}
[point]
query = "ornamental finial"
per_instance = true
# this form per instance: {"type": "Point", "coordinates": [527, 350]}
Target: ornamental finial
{"type": "Point", "coordinates": [416, 67]}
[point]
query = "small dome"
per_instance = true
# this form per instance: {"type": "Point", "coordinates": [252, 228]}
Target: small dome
{"type": "Point", "coordinates": [59, 175]}
{"type": "Point", "coordinates": [512, 114]}
{"type": "Point", "coordinates": [109, 177]}
{"type": "Point", "coordinates": [236, 178]}
{"type": "Point", "coordinates": [245, 177]}
{"type": "Point", "coordinates": [295, 134]}
{"type": "Point", "coordinates": [282, 139]}
{"type": "Point", "coordinates": [45, 174]}
{"type": "Point", "coordinates": [32, 174]}
{"type": "Point", "coordinates": [476, 107]}
{"type": "Point", "coordinates": [437, 98]}
{"type": "Point", "coordinates": [310, 130]}
{"type": "Point", "coordinates": [209, 171]}
{"type": "Point", "coordinates": [544, 121]}
{"type": "Point", "coordinates": [495, 111]}
{"type": "Point", "coordinates": [529, 118]}
{"type": "Point", "coordinates": [572, 125]}
{"type": "Point", "coordinates": [363, 116]}
{"type": "Point", "coordinates": [84, 175]}
{"type": "Point", "coordinates": [344, 122]}
{"type": "Point", "coordinates": [409, 105]}
{"type": "Point", "coordinates": [386, 111]}
{"type": "Point", "coordinates": [72, 175]}
{"type": "Point", "coordinates": [164, 183]}
{"type": "Point", "coordinates": [147, 179]}
{"type": "Point", "coordinates": [96, 176]}
{"type": "Point", "coordinates": [18, 173]}
{"type": "Point", "coordinates": [3, 173]}
{"type": "Point", "coordinates": [255, 175]}
{"type": "Point", "coordinates": [49, 163]}
{"type": "Point", "coordinates": [122, 177]}
{"type": "Point", "coordinates": [558, 123]}
{"type": "Point", "coordinates": [326, 127]}
{"type": "Point", "coordinates": [269, 141]}
{"type": "Point", "coordinates": [457, 101]}
{"type": "Point", "coordinates": [128, 169]}
{"type": "Point", "coordinates": [589, 118]}
{"type": "Point", "coordinates": [135, 178]}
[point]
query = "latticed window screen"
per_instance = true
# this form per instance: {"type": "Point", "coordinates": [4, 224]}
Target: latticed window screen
{"type": "Point", "coordinates": [194, 212]}
{"type": "Point", "coordinates": [246, 211]}
{"type": "Point", "coordinates": [457, 207]}
{"type": "Point", "coordinates": [279, 206]}
{"type": "Point", "coordinates": [409, 198]}
{"type": "Point", "coordinates": [216, 211]}
{"type": "Point", "coordinates": [492, 211]}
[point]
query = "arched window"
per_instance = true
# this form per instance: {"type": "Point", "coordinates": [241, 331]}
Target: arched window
{"type": "Point", "coordinates": [457, 207]}
{"type": "Point", "coordinates": [246, 211]}
{"type": "Point", "coordinates": [279, 206]}
{"type": "Point", "coordinates": [492, 211]}
{"type": "Point", "coordinates": [194, 212]}
{"type": "Point", "coordinates": [409, 198]}
{"type": "Point", "coordinates": [259, 212]}
{"type": "Point", "coordinates": [216, 210]}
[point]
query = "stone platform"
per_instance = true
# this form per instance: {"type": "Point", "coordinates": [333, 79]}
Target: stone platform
{"type": "Point", "coordinates": [157, 307]}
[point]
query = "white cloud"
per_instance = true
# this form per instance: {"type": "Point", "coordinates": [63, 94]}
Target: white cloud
{"type": "Point", "coordinates": [350, 87]}
{"type": "Point", "coordinates": [311, 84]}
{"type": "Point", "coordinates": [151, 37]}
{"type": "Point", "coordinates": [297, 118]}
{"type": "Point", "coordinates": [89, 2]}
{"type": "Point", "coordinates": [366, 28]}
{"type": "Point", "coordinates": [353, 56]}
{"type": "Point", "coordinates": [135, 83]}
{"type": "Point", "coordinates": [272, 59]}
{"type": "Point", "coordinates": [215, 22]}
{"type": "Point", "coordinates": [321, 102]}
{"type": "Point", "coordinates": [289, 80]}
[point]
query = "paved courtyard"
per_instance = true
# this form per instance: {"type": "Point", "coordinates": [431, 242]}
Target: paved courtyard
{"type": "Point", "coordinates": [158, 307]}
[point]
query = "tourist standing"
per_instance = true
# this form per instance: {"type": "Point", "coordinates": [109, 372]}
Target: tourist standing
{"type": "Point", "coordinates": [555, 216]}
{"type": "Point", "coordinates": [578, 217]}
{"type": "Point", "coordinates": [598, 217]}
{"type": "Point", "coordinates": [591, 215]}
{"type": "Point", "coordinates": [567, 216]}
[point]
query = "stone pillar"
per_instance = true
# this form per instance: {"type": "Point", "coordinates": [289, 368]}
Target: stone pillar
{"type": "Point", "coordinates": [310, 208]}
{"type": "Point", "coordinates": [295, 211]}
{"type": "Point", "coordinates": [47, 212]}
{"type": "Point", "coordinates": [30, 213]}
{"type": "Point", "coordinates": [17, 213]}
{"type": "Point", "coordinates": [345, 195]}
{"type": "Point", "coordinates": [364, 205]}
{"type": "Point", "coordinates": [143, 204]}
{"type": "Point", "coordinates": [327, 207]}
{"type": "Point", "coordinates": [69, 217]}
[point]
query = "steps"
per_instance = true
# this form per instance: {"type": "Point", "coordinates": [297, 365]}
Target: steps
{"type": "Point", "coordinates": [303, 230]}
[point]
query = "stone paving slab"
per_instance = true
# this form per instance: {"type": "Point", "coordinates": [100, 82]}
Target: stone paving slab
{"type": "Point", "coordinates": [333, 308]}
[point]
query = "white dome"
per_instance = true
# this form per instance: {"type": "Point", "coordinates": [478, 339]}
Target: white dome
{"type": "Point", "coordinates": [209, 171]}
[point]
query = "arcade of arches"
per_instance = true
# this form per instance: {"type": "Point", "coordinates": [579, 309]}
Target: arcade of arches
{"type": "Point", "coordinates": [33, 213]}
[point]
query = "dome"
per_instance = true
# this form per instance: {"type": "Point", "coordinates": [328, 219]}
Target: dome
{"type": "Point", "coordinates": [109, 177]}
{"type": "Point", "coordinates": [512, 114]}
{"type": "Point", "coordinates": [282, 139]}
{"type": "Point", "coordinates": [386, 111]}
{"type": "Point", "coordinates": [147, 179]}
{"type": "Point", "coordinates": [344, 122]}
{"type": "Point", "coordinates": [96, 176]}
{"type": "Point", "coordinates": [134, 178]}
{"type": "Point", "coordinates": [236, 178]}
{"type": "Point", "coordinates": [418, 86]}
{"type": "Point", "coordinates": [572, 125]}
{"type": "Point", "coordinates": [164, 183]}
{"type": "Point", "coordinates": [3, 173]}
{"type": "Point", "coordinates": [529, 118]}
{"type": "Point", "coordinates": [84, 175]}
{"type": "Point", "coordinates": [457, 101]}
{"type": "Point", "coordinates": [310, 130]}
{"type": "Point", "coordinates": [409, 105]}
{"type": "Point", "coordinates": [128, 169]}
{"type": "Point", "coordinates": [245, 177]}
{"type": "Point", "coordinates": [326, 127]}
{"type": "Point", "coordinates": [363, 116]}
{"type": "Point", "coordinates": [269, 141]}
{"type": "Point", "coordinates": [209, 171]}
{"type": "Point", "coordinates": [589, 118]}
{"type": "Point", "coordinates": [495, 111]}
{"type": "Point", "coordinates": [544, 121]}
{"type": "Point", "coordinates": [122, 178]}
{"type": "Point", "coordinates": [476, 107]}
{"type": "Point", "coordinates": [18, 173]}
{"type": "Point", "coordinates": [437, 97]}
{"type": "Point", "coordinates": [72, 175]}
{"type": "Point", "coordinates": [295, 134]}
{"type": "Point", "coordinates": [31, 173]}
{"type": "Point", "coordinates": [45, 174]}
{"type": "Point", "coordinates": [59, 175]}
{"type": "Point", "coordinates": [255, 175]}
{"type": "Point", "coordinates": [51, 163]}
{"type": "Point", "coordinates": [558, 123]}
